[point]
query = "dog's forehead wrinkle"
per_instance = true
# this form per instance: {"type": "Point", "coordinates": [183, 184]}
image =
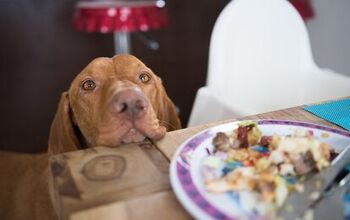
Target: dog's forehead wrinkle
{"type": "Point", "coordinates": [124, 58]}
{"type": "Point", "coordinates": [129, 70]}
{"type": "Point", "coordinates": [127, 63]}
{"type": "Point", "coordinates": [97, 67]}
{"type": "Point", "coordinates": [101, 61]}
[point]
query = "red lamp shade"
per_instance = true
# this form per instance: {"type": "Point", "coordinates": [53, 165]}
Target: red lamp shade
{"type": "Point", "coordinates": [119, 16]}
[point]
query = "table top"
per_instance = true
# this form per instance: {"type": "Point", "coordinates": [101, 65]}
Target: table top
{"type": "Point", "coordinates": [131, 181]}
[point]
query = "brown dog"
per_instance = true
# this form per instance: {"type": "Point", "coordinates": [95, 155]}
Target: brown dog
{"type": "Point", "coordinates": [112, 101]}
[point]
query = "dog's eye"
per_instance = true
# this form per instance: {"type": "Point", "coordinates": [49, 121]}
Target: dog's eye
{"type": "Point", "coordinates": [144, 77]}
{"type": "Point", "coordinates": [89, 85]}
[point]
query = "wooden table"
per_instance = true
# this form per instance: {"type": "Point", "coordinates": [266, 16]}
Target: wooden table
{"type": "Point", "coordinates": [131, 181]}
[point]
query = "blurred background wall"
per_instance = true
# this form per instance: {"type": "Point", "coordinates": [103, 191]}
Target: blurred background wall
{"type": "Point", "coordinates": [329, 33]}
{"type": "Point", "coordinates": [40, 53]}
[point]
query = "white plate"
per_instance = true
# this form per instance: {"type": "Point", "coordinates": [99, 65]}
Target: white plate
{"type": "Point", "coordinates": [187, 182]}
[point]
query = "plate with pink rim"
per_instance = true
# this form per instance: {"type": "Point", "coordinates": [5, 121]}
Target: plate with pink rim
{"type": "Point", "coordinates": [185, 168]}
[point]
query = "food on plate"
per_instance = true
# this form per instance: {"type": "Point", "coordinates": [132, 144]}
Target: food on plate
{"type": "Point", "coordinates": [262, 169]}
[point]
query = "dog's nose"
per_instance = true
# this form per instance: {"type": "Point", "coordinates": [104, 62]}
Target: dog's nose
{"type": "Point", "coordinates": [131, 103]}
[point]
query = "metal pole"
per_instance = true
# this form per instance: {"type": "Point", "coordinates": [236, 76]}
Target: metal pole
{"type": "Point", "coordinates": [122, 42]}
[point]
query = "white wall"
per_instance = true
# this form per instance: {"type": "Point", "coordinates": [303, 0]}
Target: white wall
{"type": "Point", "coordinates": [329, 33]}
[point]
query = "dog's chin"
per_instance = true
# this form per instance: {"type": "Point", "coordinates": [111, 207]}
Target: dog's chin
{"type": "Point", "coordinates": [133, 136]}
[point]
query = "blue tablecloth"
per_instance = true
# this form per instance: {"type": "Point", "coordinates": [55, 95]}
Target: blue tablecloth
{"type": "Point", "coordinates": [337, 112]}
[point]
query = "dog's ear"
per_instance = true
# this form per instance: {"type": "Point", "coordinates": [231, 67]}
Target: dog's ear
{"type": "Point", "coordinates": [170, 115]}
{"type": "Point", "coordinates": [167, 113]}
{"type": "Point", "coordinates": [62, 135]}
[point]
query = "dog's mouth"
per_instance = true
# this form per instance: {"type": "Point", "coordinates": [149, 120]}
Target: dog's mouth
{"type": "Point", "coordinates": [130, 132]}
{"type": "Point", "coordinates": [140, 130]}
{"type": "Point", "coordinates": [133, 136]}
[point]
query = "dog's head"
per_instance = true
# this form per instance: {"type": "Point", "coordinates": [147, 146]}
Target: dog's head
{"type": "Point", "coordinates": [112, 101]}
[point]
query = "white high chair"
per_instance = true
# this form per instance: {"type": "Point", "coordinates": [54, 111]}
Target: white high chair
{"type": "Point", "coordinates": [260, 60]}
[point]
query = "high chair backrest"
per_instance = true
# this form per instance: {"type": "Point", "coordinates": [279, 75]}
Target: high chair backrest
{"type": "Point", "coordinates": [260, 60]}
{"type": "Point", "coordinates": [258, 48]}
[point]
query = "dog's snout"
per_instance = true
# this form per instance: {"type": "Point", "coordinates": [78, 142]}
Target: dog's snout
{"type": "Point", "coordinates": [131, 103]}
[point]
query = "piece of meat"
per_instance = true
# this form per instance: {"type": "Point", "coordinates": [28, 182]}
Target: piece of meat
{"type": "Point", "coordinates": [242, 135]}
{"type": "Point", "coordinates": [333, 154]}
{"type": "Point", "coordinates": [265, 140]}
{"type": "Point", "coordinates": [221, 142]}
{"type": "Point", "coordinates": [304, 163]}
